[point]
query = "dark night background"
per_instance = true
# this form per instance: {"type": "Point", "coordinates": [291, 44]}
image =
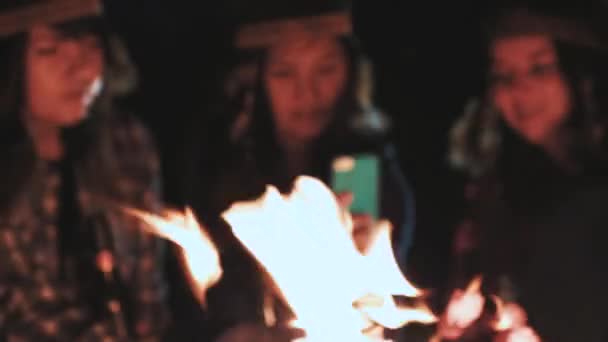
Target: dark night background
{"type": "Point", "coordinates": [427, 64]}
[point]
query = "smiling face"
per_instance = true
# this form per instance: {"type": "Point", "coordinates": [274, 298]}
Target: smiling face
{"type": "Point", "coordinates": [528, 86]}
{"type": "Point", "coordinates": [304, 80]}
{"type": "Point", "coordinates": [63, 75]}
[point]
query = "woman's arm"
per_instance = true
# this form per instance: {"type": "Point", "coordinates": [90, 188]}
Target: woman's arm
{"type": "Point", "coordinates": [398, 203]}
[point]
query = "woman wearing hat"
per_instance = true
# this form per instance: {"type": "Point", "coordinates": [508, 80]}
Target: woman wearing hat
{"type": "Point", "coordinates": [72, 266]}
{"type": "Point", "coordinates": [305, 98]}
{"type": "Point", "coordinates": [534, 149]}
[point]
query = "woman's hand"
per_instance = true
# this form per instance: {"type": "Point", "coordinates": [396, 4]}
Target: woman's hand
{"type": "Point", "coordinates": [362, 223]}
{"type": "Point", "coordinates": [251, 332]}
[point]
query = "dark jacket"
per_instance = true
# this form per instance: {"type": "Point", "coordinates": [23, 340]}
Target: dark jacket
{"type": "Point", "coordinates": [539, 243]}
{"type": "Point", "coordinates": [57, 217]}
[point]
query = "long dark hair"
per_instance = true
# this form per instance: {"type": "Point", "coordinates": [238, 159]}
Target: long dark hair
{"type": "Point", "coordinates": [339, 134]}
{"type": "Point", "coordinates": [119, 77]}
{"type": "Point", "coordinates": [586, 122]}
{"type": "Point", "coordinates": [481, 139]}
{"type": "Point", "coordinates": [119, 80]}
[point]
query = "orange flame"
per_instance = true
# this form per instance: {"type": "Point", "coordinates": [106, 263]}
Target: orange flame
{"type": "Point", "coordinates": [523, 334]}
{"type": "Point", "coordinates": [199, 254]}
{"type": "Point", "coordinates": [384, 269]}
{"type": "Point", "coordinates": [511, 323]}
{"type": "Point", "coordinates": [464, 308]}
{"type": "Point", "coordinates": [475, 285]}
{"type": "Point", "coordinates": [303, 241]}
{"type": "Point", "coordinates": [504, 320]}
{"type": "Point", "coordinates": [387, 313]}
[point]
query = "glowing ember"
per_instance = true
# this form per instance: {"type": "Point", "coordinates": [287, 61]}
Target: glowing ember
{"type": "Point", "coordinates": [199, 255]}
{"type": "Point", "coordinates": [523, 334]}
{"type": "Point", "coordinates": [303, 240]}
{"type": "Point", "coordinates": [509, 316]}
{"type": "Point", "coordinates": [464, 308]}
{"type": "Point", "coordinates": [511, 323]}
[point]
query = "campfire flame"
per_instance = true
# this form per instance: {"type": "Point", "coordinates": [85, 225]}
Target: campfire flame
{"type": "Point", "coordinates": [200, 257]}
{"type": "Point", "coordinates": [512, 323]}
{"type": "Point", "coordinates": [390, 281]}
{"type": "Point", "coordinates": [303, 241]}
{"type": "Point", "coordinates": [387, 274]}
{"type": "Point", "coordinates": [466, 307]}
{"type": "Point", "coordinates": [506, 316]}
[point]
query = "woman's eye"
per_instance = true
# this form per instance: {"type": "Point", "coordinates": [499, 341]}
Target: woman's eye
{"type": "Point", "coordinates": [542, 69]}
{"type": "Point", "coordinates": [91, 42]}
{"type": "Point", "coordinates": [502, 79]}
{"type": "Point", "coordinates": [46, 49]}
{"type": "Point", "coordinates": [327, 69]}
{"type": "Point", "coordinates": [280, 73]}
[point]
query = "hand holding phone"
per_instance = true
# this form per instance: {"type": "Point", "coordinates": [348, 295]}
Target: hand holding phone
{"type": "Point", "coordinates": [358, 176]}
{"type": "Point", "coordinates": [355, 182]}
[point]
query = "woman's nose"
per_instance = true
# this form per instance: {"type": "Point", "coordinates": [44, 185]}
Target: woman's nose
{"type": "Point", "coordinates": [85, 62]}
{"type": "Point", "coordinates": [522, 84]}
{"type": "Point", "coordinates": [307, 93]}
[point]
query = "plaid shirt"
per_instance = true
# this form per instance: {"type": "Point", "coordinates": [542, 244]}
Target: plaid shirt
{"type": "Point", "coordinates": [41, 296]}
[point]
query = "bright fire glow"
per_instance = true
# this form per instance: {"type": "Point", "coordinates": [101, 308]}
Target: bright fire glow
{"type": "Point", "coordinates": [511, 323]}
{"type": "Point", "coordinates": [465, 307]}
{"type": "Point", "coordinates": [385, 270]}
{"type": "Point", "coordinates": [199, 255]}
{"type": "Point", "coordinates": [503, 322]}
{"type": "Point", "coordinates": [523, 334]}
{"type": "Point", "coordinates": [303, 241]}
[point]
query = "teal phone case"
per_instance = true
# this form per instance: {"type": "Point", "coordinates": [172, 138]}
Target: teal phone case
{"type": "Point", "coordinates": [360, 175]}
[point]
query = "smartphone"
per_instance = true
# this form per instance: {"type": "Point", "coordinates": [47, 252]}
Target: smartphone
{"type": "Point", "coordinates": [360, 175]}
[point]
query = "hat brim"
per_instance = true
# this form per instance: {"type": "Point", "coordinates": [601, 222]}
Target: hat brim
{"type": "Point", "coordinates": [524, 22]}
{"type": "Point", "coordinates": [266, 34]}
{"type": "Point", "coordinates": [47, 12]}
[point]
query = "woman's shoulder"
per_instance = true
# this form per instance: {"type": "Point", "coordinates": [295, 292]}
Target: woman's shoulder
{"type": "Point", "coordinates": [124, 160]}
{"type": "Point", "coordinates": [129, 131]}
